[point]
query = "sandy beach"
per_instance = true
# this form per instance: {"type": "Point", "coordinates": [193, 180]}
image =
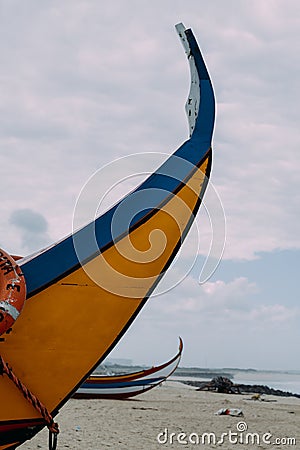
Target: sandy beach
{"type": "Point", "coordinates": [176, 416]}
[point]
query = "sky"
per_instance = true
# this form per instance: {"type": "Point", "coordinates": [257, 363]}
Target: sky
{"type": "Point", "coordinates": [85, 83]}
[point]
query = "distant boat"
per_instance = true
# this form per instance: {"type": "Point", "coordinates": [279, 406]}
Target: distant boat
{"type": "Point", "coordinates": [128, 385]}
{"type": "Point", "coordinates": [80, 295]}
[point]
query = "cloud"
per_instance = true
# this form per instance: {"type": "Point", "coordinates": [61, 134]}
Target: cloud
{"type": "Point", "coordinates": [216, 298]}
{"type": "Point", "coordinates": [222, 325]}
{"type": "Point", "coordinates": [227, 304]}
{"type": "Point", "coordinates": [33, 227]}
{"type": "Point", "coordinates": [29, 221]}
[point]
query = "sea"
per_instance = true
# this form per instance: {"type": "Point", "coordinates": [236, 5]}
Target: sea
{"type": "Point", "coordinates": [288, 381]}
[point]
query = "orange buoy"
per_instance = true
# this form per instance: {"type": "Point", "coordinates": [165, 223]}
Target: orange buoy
{"type": "Point", "coordinates": [12, 291]}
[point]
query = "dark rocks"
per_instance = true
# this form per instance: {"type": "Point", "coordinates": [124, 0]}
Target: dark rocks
{"type": "Point", "coordinates": [224, 385]}
{"type": "Point", "coordinates": [220, 384]}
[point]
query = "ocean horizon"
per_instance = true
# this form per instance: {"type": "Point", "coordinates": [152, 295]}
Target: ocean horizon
{"type": "Point", "coordinates": [288, 381]}
{"type": "Point", "coordinates": [284, 380]}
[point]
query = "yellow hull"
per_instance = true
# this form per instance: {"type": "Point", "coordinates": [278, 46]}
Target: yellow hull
{"type": "Point", "coordinates": [46, 358]}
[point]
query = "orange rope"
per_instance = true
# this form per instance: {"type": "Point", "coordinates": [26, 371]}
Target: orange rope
{"type": "Point", "coordinates": [35, 402]}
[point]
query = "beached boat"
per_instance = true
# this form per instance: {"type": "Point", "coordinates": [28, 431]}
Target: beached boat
{"type": "Point", "coordinates": [130, 384]}
{"type": "Point", "coordinates": [83, 292]}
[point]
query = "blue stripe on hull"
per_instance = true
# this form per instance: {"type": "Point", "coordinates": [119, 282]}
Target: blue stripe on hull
{"type": "Point", "coordinates": [122, 384]}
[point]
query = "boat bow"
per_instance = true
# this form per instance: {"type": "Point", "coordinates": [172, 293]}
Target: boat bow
{"type": "Point", "coordinates": [84, 291]}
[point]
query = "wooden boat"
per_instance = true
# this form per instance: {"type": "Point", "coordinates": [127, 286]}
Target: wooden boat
{"type": "Point", "coordinates": [83, 292]}
{"type": "Point", "coordinates": [128, 385]}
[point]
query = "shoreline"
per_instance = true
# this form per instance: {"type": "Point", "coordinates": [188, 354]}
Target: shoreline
{"type": "Point", "coordinates": [279, 380]}
{"type": "Point", "coordinates": [172, 408]}
{"type": "Point", "coordinates": [241, 388]}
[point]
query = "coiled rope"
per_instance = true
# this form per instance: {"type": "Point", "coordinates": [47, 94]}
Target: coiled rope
{"type": "Point", "coordinates": [34, 401]}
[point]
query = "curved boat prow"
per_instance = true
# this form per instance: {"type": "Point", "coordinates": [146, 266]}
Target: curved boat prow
{"type": "Point", "coordinates": [193, 101]}
{"type": "Point", "coordinates": [84, 291]}
{"type": "Point", "coordinates": [200, 82]}
{"type": "Point", "coordinates": [131, 384]}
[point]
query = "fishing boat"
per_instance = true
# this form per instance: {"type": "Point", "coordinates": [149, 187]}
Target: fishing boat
{"type": "Point", "coordinates": [64, 308]}
{"type": "Point", "coordinates": [128, 385]}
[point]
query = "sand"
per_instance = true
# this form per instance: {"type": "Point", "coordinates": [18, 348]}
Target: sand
{"type": "Point", "coordinates": [179, 409]}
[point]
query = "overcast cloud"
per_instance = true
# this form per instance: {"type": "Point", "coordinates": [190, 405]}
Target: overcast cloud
{"type": "Point", "coordinates": [84, 82]}
{"type": "Point", "coordinates": [32, 228]}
